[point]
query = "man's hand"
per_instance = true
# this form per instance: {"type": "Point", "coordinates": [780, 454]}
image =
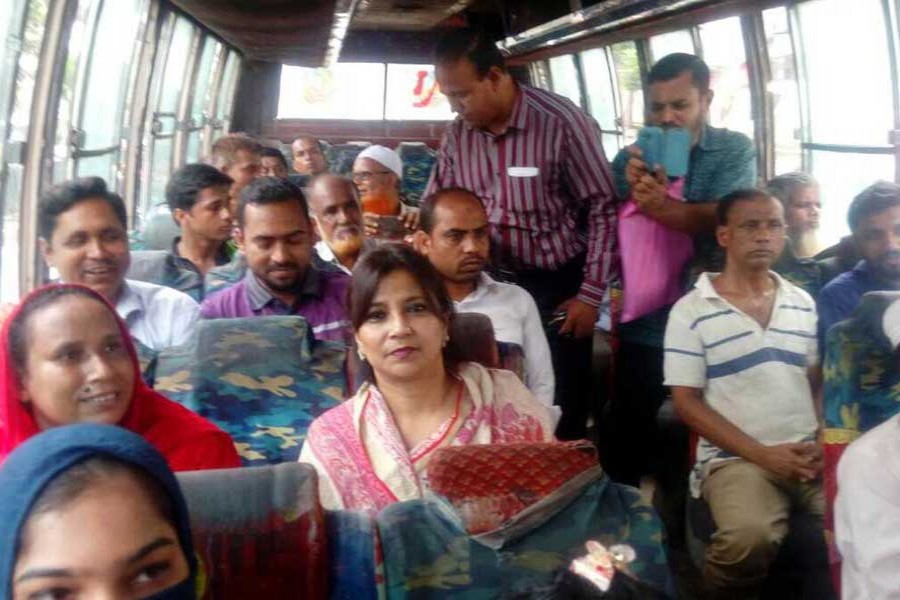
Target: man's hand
{"type": "Point", "coordinates": [802, 461]}
{"type": "Point", "coordinates": [650, 192]}
{"type": "Point", "coordinates": [580, 318]}
{"type": "Point", "coordinates": [409, 215]}
{"type": "Point", "coordinates": [635, 168]}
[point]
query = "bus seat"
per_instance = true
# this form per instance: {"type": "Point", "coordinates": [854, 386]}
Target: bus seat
{"type": "Point", "coordinates": [224, 276]}
{"type": "Point", "coordinates": [540, 504]}
{"type": "Point", "coordinates": [146, 361]}
{"type": "Point", "coordinates": [512, 358]}
{"type": "Point", "coordinates": [159, 267]}
{"type": "Point", "coordinates": [258, 532]}
{"type": "Point", "coordinates": [261, 379]}
{"type": "Point", "coordinates": [353, 551]}
{"type": "Point", "coordinates": [340, 157]}
{"type": "Point", "coordinates": [418, 161]}
{"type": "Point", "coordinates": [801, 567]}
{"type": "Point", "coordinates": [473, 335]}
{"type": "Point", "coordinates": [861, 387]}
{"type": "Point", "coordinates": [159, 230]}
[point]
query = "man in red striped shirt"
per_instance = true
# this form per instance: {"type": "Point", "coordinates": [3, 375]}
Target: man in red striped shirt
{"type": "Point", "coordinates": [536, 161]}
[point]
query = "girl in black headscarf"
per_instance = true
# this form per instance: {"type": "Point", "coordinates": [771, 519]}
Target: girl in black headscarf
{"type": "Point", "coordinates": [92, 511]}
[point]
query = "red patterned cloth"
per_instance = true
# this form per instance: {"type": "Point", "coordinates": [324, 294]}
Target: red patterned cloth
{"type": "Point", "coordinates": [490, 484]}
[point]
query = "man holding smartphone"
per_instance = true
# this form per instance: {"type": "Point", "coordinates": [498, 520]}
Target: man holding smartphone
{"type": "Point", "coordinates": [720, 161]}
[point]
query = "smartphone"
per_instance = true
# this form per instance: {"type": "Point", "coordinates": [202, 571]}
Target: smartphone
{"type": "Point", "coordinates": [391, 228]}
{"type": "Point", "coordinates": [668, 147]}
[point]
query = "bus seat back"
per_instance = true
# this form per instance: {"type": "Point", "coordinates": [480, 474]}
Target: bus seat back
{"type": "Point", "coordinates": [261, 379]}
{"type": "Point", "coordinates": [258, 532]}
{"type": "Point", "coordinates": [418, 161]}
{"type": "Point", "coordinates": [428, 551]}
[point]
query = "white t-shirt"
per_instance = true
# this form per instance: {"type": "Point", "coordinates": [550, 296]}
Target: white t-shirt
{"type": "Point", "coordinates": [158, 316]}
{"type": "Point", "coordinates": [516, 320]}
{"type": "Point", "coordinates": [754, 377]}
{"type": "Point", "coordinates": [867, 515]}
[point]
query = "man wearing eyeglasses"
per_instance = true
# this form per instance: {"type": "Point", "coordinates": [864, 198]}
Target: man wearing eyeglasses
{"type": "Point", "coordinates": [377, 173]}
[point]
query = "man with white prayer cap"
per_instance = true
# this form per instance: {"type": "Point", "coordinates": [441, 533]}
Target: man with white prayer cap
{"type": "Point", "coordinates": [377, 173]}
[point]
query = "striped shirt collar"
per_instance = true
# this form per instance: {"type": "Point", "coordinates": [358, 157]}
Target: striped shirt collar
{"type": "Point", "coordinates": [707, 290]}
{"type": "Point", "coordinates": [259, 295]}
{"type": "Point", "coordinates": [518, 118]}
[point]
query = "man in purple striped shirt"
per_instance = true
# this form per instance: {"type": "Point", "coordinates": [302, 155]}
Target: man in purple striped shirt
{"type": "Point", "coordinates": [275, 234]}
{"type": "Point", "coordinates": [537, 162]}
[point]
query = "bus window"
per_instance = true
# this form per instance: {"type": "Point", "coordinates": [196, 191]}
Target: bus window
{"type": "Point", "coordinates": [413, 94]}
{"type": "Point", "coordinates": [723, 50]}
{"type": "Point", "coordinates": [540, 75]}
{"type": "Point", "coordinates": [23, 32]}
{"type": "Point", "coordinates": [841, 77]}
{"type": "Point", "coordinates": [173, 56]}
{"type": "Point", "coordinates": [201, 97]}
{"type": "Point", "coordinates": [673, 41]}
{"type": "Point", "coordinates": [601, 97]}
{"type": "Point", "coordinates": [631, 94]}
{"type": "Point", "coordinates": [564, 77]}
{"type": "Point", "coordinates": [225, 96]}
{"type": "Point", "coordinates": [783, 90]}
{"type": "Point", "coordinates": [332, 93]}
{"type": "Point", "coordinates": [100, 108]}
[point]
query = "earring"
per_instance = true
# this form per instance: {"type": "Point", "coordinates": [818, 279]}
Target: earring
{"type": "Point", "coordinates": [446, 339]}
{"type": "Point", "coordinates": [360, 354]}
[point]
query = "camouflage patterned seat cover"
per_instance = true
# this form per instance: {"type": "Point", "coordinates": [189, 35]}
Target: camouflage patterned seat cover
{"type": "Point", "coordinates": [261, 379]}
{"type": "Point", "coordinates": [418, 161]}
{"type": "Point", "coordinates": [861, 387]}
{"type": "Point", "coordinates": [340, 157]}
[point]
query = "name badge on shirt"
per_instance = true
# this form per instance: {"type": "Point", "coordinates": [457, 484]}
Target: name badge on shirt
{"type": "Point", "coordinates": [523, 171]}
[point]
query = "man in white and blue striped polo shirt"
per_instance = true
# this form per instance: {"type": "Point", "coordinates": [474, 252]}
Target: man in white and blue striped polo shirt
{"type": "Point", "coordinates": [742, 360]}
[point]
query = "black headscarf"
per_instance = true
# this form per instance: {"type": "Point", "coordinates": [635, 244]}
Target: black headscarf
{"type": "Point", "coordinates": [38, 461]}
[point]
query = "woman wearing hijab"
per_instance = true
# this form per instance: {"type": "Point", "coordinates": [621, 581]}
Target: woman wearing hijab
{"type": "Point", "coordinates": [373, 449]}
{"type": "Point", "coordinates": [66, 357]}
{"type": "Point", "coordinates": [93, 511]}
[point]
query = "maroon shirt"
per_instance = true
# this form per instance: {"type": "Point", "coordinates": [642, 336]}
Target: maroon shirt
{"type": "Point", "coordinates": [534, 216]}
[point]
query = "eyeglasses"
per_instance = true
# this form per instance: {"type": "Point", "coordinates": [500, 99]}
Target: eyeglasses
{"type": "Point", "coordinates": [367, 175]}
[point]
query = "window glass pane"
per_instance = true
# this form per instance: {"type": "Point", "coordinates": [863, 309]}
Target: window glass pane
{"type": "Point", "coordinates": [9, 251]}
{"type": "Point", "coordinates": [846, 56]}
{"type": "Point", "coordinates": [611, 145]}
{"type": "Point", "coordinates": [76, 52]}
{"type": "Point", "coordinates": [723, 51]}
{"type": "Point", "coordinates": [226, 88]}
{"type": "Point", "coordinates": [344, 91]}
{"type": "Point", "coordinates": [842, 176]}
{"type": "Point", "coordinates": [783, 90]}
{"type": "Point", "coordinates": [565, 78]}
{"type": "Point", "coordinates": [203, 82]}
{"type": "Point", "coordinates": [159, 171]}
{"type": "Point", "coordinates": [25, 71]}
{"type": "Point", "coordinates": [631, 95]}
{"type": "Point", "coordinates": [601, 96]}
{"type": "Point", "coordinates": [107, 82]}
{"type": "Point", "coordinates": [540, 77]}
{"type": "Point", "coordinates": [176, 62]}
{"type": "Point", "coordinates": [192, 153]}
{"type": "Point", "coordinates": [101, 166]}
{"type": "Point", "coordinates": [413, 94]}
{"type": "Point", "coordinates": [10, 40]}
{"type": "Point", "coordinates": [668, 43]}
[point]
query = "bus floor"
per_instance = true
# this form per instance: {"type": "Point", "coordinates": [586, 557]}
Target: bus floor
{"type": "Point", "coordinates": [666, 487]}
